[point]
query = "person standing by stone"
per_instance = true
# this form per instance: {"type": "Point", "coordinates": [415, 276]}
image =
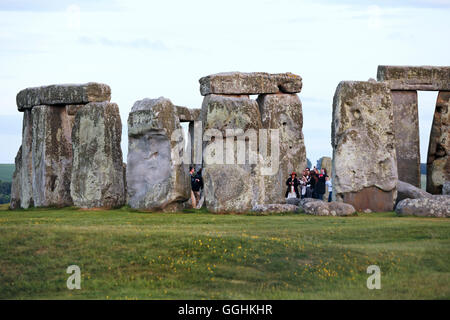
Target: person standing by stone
{"type": "Point", "coordinates": [303, 182]}
{"type": "Point", "coordinates": [195, 187]}
{"type": "Point", "coordinates": [330, 188]}
{"type": "Point", "coordinates": [320, 184]}
{"type": "Point", "coordinates": [313, 182]}
{"type": "Point", "coordinates": [201, 190]}
{"type": "Point", "coordinates": [308, 183]}
{"type": "Point", "coordinates": [292, 182]}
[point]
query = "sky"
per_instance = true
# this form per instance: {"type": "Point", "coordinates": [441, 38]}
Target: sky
{"type": "Point", "coordinates": [148, 49]}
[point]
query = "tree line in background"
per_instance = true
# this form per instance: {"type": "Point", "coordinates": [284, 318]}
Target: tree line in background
{"type": "Point", "coordinates": [5, 192]}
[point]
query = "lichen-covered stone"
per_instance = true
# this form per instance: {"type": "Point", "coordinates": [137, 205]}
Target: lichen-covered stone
{"type": "Point", "coordinates": [446, 188]}
{"type": "Point", "coordinates": [16, 183]}
{"type": "Point", "coordinates": [241, 83]}
{"type": "Point", "coordinates": [26, 180]}
{"type": "Point", "coordinates": [429, 78]}
{"type": "Point", "coordinates": [63, 94]}
{"type": "Point", "coordinates": [408, 191]}
{"type": "Point", "coordinates": [438, 161]}
{"type": "Point", "coordinates": [275, 208]}
{"type": "Point", "coordinates": [52, 156]}
{"type": "Point", "coordinates": [364, 160]}
{"type": "Point", "coordinates": [283, 112]}
{"type": "Point", "coordinates": [406, 132]}
{"type": "Point", "coordinates": [322, 208]}
{"type": "Point", "coordinates": [230, 186]}
{"type": "Point", "coordinates": [424, 207]}
{"type": "Point", "coordinates": [97, 172]}
{"type": "Point", "coordinates": [155, 179]}
{"type": "Point", "coordinates": [187, 114]}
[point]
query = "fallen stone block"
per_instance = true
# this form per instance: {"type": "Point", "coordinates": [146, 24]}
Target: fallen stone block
{"type": "Point", "coordinates": [322, 208]}
{"type": "Point", "coordinates": [424, 207]}
{"type": "Point", "coordinates": [275, 208]}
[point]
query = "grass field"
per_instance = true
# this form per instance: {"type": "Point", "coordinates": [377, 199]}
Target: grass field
{"type": "Point", "coordinates": [125, 254]}
{"type": "Point", "coordinates": [6, 172]}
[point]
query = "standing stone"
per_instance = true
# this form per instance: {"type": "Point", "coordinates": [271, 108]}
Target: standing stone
{"type": "Point", "coordinates": [230, 186]}
{"type": "Point", "coordinates": [97, 175]}
{"type": "Point", "coordinates": [438, 162]}
{"type": "Point", "coordinates": [446, 188]}
{"type": "Point", "coordinates": [156, 179]}
{"type": "Point", "coordinates": [326, 163]}
{"type": "Point", "coordinates": [52, 156]}
{"type": "Point", "coordinates": [364, 160]}
{"type": "Point", "coordinates": [406, 132]}
{"type": "Point", "coordinates": [26, 180]}
{"type": "Point", "coordinates": [16, 183]}
{"type": "Point", "coordinates": [283, 112]}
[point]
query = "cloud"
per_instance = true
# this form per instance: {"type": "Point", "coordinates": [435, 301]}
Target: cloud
{"type": "Point", "coordinates": [157, 45]}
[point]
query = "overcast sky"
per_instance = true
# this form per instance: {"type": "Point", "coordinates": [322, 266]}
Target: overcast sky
{"type": "Point", "coordinates": [161, 48]}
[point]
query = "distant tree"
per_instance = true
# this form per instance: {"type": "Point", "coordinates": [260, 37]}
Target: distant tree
{"type": "Point", "coordinates": [308, 163]}
{"type": "Point", "coordinates": [5, 192]}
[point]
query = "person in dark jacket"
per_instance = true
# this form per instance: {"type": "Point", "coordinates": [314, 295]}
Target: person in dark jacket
{"type": "Point", "coordinates": [196, 184]}
{"type": "Point", "coordinates": [292, 181]}
{"type": "Point", "coordinates": [313, 181]}
{"type": "Point", "coordinates": [320, 184]}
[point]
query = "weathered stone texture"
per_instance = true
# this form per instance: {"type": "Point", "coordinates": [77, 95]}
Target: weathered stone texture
{"type": "Point", "coordinates": [446, 188]}
{"type": "Point", "coordinates": [364, 160]}
{"type": "Point", "coordinates": [229, 186]}
{"type": "Point", "coordinates": [283, 112]}
{"type": "Point", "coordinates": [424, 207]}
{"type": "Point", "coordinates": [52, 156]}
{"type": "Point", "coordinates": [26, 180]}
{"type": "Point", "coordinates": [406, 132]}
{"type": "Point", "coordinates": [156, 180]}
{"type": "Point", "coordinates": [415, 77]}
{"type": "Point", "coordinates": [97, 175]}
{"type": "Point", "coordinates": [186, 114]}
{"type": "Point", "coordinates": [63, 94]}
{"type": "Point", "coordinates": [322, 208]}
{"type": "Point", "coordinates": [240, 83]}
{"type": "Point", "coordinates": [408, 191]}
{"type": "Point", "coordinates": [16, 183]}
{"type": "Point", "coordinates": [438, 161]}
{"type": "Point", "coordinates": [275, 208]}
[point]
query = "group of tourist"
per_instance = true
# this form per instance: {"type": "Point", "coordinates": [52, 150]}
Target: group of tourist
{"type": "Point", "coordinates": [312, 184]}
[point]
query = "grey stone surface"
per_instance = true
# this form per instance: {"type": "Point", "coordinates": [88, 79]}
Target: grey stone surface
{"type": "Point", "coordinates": [63, 94]}
{"type": "Point", "coordinates": [446, 188]}
{"type": "Point", "coordinates": [52, 156]}
{"type": "Point", "coordinates": [408, 191]}
{"type": "Point", "coordinates": [16, 183]}
{"type": "Point", "coordinates": [322, 208]}
{"type": "Point", "coordinates": [187, 114]}
{"type": "Point", "coordinates": [326, 163]}
{"type": "Point", "coordinates": [438, 161]}
{"type": "Point", "coordinates": [239, 83]}
{"type": "Point", "coordinates": [364, 159]}
{"type": "Point", "coordinates": [26, 180]}
{"type": "Point", "coordinates": [406, 132]}
{"type": "Point", "coordinates": [283, 112]}
{"type": "Point", "coordinates": [275, 208]}
{"type": "Point", "coordinates": [97, 174]}
{"type": "Point", "coordinates": [155, 180]}
{"type": "Point", "coordinates": [293, 201]}
{"type": "Point", "coordinates": [230, 186]}
{"type": "Point", "coordinates": [424, 207]}
{"type": "Point", "coordinates": [430, 78]}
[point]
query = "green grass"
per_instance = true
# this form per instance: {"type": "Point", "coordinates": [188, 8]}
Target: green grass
{"type": "Point", "coordinates": [6, 172]}
{"type": "Point", "coordinates": [126, 254]}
